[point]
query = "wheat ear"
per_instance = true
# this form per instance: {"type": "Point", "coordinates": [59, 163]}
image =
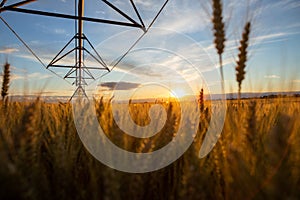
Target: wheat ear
{"type": "Point", "coordinates": [6, 78]}
{"type": "Point", "coordinates": [219, 32]}
{"type": "Point", "coordinates": [201, 100]}
{"type": "Point", "coordinates": [242, 57]}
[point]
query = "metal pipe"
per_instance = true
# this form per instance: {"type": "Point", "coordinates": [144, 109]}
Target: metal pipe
{"type": "Point", "coordinates": [59, 15]}
{"type": "Point", "coordinates": [120, 12]}
{"type": "Point", "coordinates": [80, 39]}
{"type": "Point", "coordinates": [15, 5]}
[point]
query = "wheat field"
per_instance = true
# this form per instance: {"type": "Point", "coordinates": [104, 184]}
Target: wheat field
{"type": "Point", "coordinates": [256, 157]}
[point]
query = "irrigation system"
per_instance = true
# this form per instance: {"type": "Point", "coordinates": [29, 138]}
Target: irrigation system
{"type": "Point", "coordinates": [79, 72]}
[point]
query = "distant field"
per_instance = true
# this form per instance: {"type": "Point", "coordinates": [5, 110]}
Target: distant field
{"type": "Point", "coordinates": [256, 157]}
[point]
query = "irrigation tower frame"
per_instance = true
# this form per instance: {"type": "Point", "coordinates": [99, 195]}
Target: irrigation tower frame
{"type": "Point", "coordinates": [80, 72]}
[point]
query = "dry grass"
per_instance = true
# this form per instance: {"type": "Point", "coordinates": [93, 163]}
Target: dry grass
{"type": "Point", "coordinates": [256, 157]}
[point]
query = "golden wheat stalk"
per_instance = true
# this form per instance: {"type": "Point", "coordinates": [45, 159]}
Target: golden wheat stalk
{"type": "Point", "coordinates": [242, 57]}
{"type": "Point", "coordinates": [219, 32]}
{"type": "Point", "coordinates": [201, 100]}
{"type": "Point", "coordinates": [6, 78]}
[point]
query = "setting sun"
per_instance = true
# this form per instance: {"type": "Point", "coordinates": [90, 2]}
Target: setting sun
{"type": "Point", "coordinates": [178, 93]}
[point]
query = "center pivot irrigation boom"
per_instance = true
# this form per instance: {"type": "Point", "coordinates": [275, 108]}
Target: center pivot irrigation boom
{"type": "Point", "coordinates": [80, 72]}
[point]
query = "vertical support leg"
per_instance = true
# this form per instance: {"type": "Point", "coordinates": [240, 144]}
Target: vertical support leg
{"type": "Point", "coordinates": [80, 41]}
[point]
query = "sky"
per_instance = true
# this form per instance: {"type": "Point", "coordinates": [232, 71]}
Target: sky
{"type": "Point", "coordinates": [176, 56]}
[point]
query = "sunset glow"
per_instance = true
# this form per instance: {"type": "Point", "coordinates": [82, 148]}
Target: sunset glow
{"type": "Point", "coordinates": [178, 93]}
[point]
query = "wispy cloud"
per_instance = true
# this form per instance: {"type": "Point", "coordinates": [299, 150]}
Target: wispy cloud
{"type": "Point", "coordinates": [293, 5]}
{"type": "Point", "coordinates": [186, 18]}
{"type": "Point", "coordinates": [36, 76]}
{"type": "Point", "coordinates": [270, 36]}
{"type": "Point", "coordinates": [60, 31]}
{"type": "Point", "coordinates": [8, 50]}
{"type": "Point", "coordinates": [45, 28]}
{"type": "Point", "coordinates": [17, 69]}
{"type": "Point", "coordinates": [273, 76]}
{"type": "Point", "coordinates": [294, 25]}
{"type": "Point", "coordinates": [144, 4]}
{"type": "Point", "coordinates": [283, 5]}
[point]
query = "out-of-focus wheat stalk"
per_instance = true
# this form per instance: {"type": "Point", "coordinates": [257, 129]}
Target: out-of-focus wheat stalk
{"type": "Point", "coordinates": [242, 57]}
{"type": "Point", "coordinates": [219, 32]}
{"type": "Point", "coordinates": [201, 100]}
{"type": "Point", "coordinates": [6, 78]}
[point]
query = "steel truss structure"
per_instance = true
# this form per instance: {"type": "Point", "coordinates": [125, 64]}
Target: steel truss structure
{"type": "Point", "coordinates": [79, 71]}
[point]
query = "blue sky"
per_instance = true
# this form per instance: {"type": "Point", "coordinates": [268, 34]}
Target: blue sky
{"type": "Point", "coordinates": [179, 48]}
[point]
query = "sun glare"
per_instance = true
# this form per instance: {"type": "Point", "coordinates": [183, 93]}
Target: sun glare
{"type": "Point", "coordinates": [178, 93]}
